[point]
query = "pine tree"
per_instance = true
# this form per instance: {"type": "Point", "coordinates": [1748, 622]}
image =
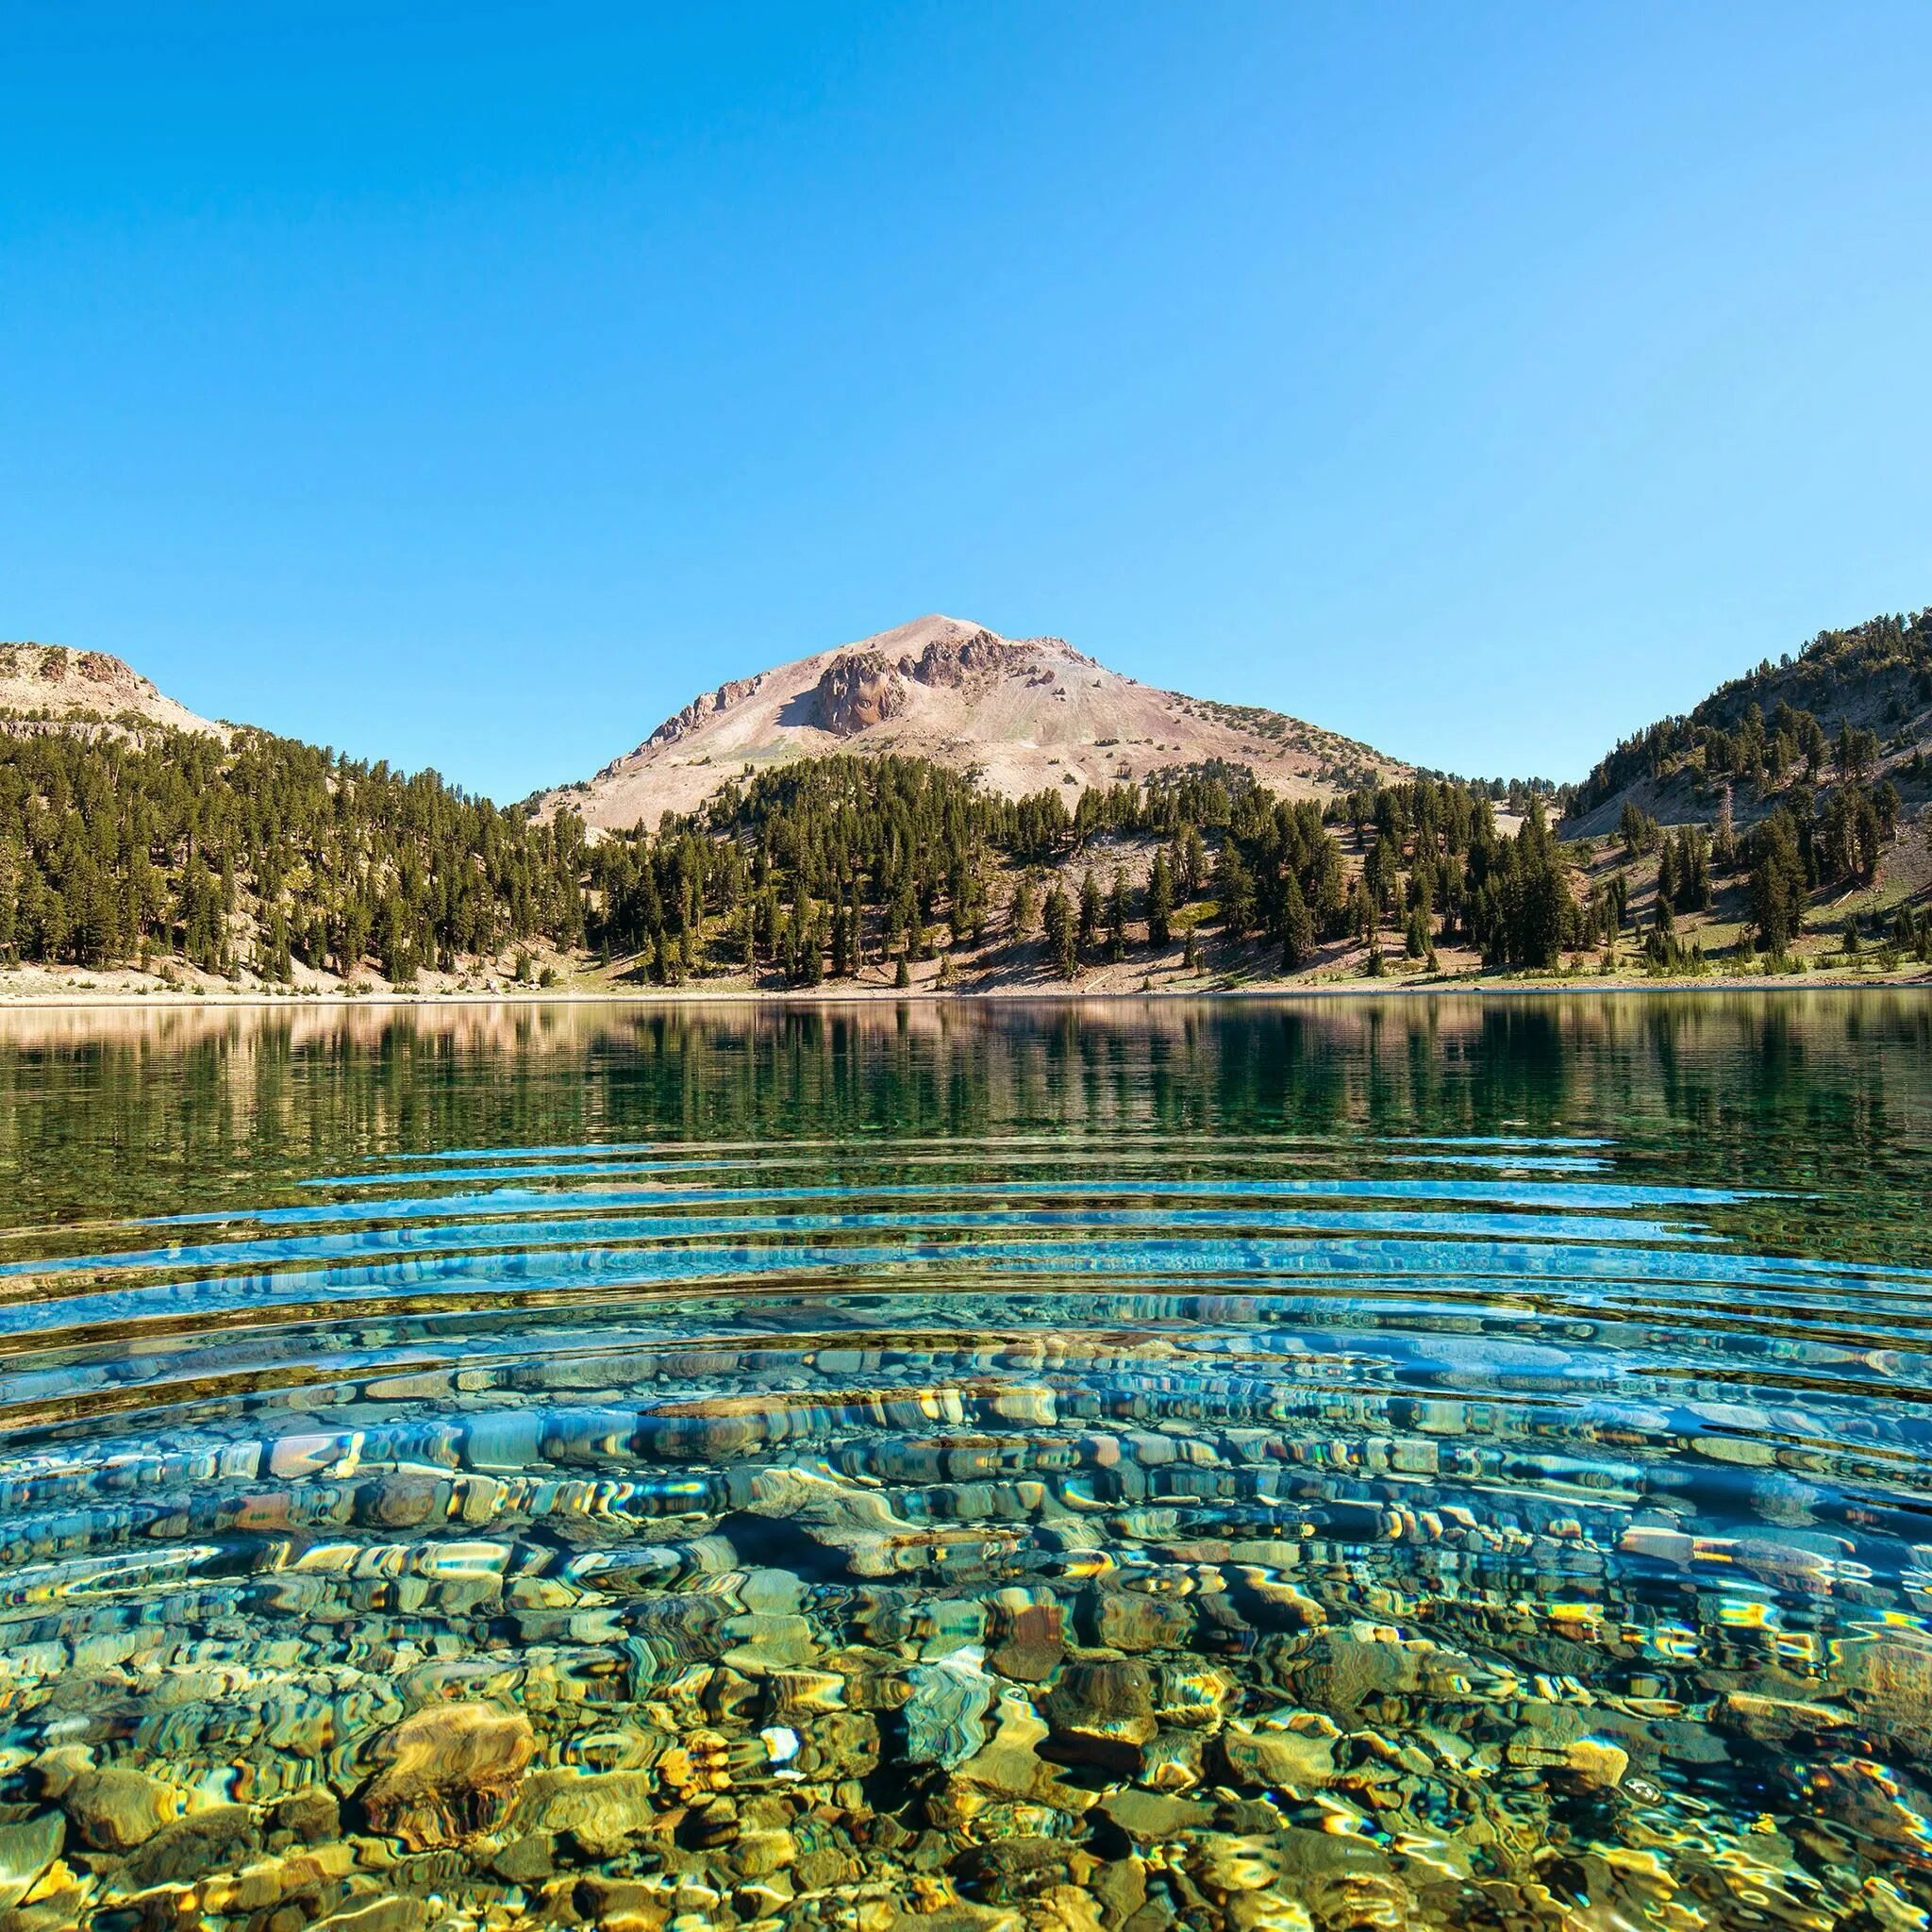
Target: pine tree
{"type": "Point", "coordinates": [1297, 928]}
{"type": "Point", "coordinates": [1091, 910]}
{"type": "Point", "coordinates": [10, 867]}
{"type": "Point", "coordinates": [1189, 861]}
{"type": "Point", "coordinates": [1159, 902]}
{"type": "Point", "coordinates": [1026, 909]}
{"type": "Point", "coordinates": [1062, 942]}
{"type": "Point", "coordinates": [1234, 887]}
{"type": "Point", "coordinates": [1777, 883]}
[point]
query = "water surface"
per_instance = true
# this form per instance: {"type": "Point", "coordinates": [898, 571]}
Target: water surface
{"type": "Point", "coordinates": [1314, 1463]}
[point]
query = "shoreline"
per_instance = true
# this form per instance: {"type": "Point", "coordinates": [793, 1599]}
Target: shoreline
{"type": "Point", "coordinates": [176, 1001]}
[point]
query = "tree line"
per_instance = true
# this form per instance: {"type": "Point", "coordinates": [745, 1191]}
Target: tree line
{"type": "Point", "coordinates": [819, 869]}
{"type": "Point", "coordinates": [263, 852]}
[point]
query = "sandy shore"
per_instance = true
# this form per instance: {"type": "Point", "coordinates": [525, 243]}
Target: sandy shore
{"type": "Point", "coordinates": [846, 993]}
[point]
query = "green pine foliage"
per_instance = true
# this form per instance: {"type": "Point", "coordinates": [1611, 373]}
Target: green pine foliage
{"type": "Point", "coordinates": [260, 853]}
{"type": "Point", "coordinates": [263, 854]}
{"type": "Point", "coordinates": [1830, 713]}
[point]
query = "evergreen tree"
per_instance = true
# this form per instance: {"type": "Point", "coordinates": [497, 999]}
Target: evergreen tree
{"type": "Point", "coordinates": [1297, 928]}
{"type": "Point", "coordinates": [1026, 910]}
{"type": "Point", "coordinates": [1062, 943]}
{"type": "Point", "coordinates": [1189, 861]}
{"type": "Point", "coordinates": [1234, 888]}
{"type": "Point", "coordinates": [11, 866]}
{"type": "Point", "coordinates": [1117, 915]}
{"type": "Point", "coordinates": [1777, 883]}
{"type": "Point", "coordinates": [1091, 910]}
{"type": "Point", "coordinates": [1159, 902]}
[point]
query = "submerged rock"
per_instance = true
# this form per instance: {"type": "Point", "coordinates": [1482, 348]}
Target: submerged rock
{"type": "Point", "coordinates": [27, 1850]}
{"type": "Point", "coordinates": [602, 1811]}
{"type": "Point", "coordinates": [946, 1715]}
{"type": "Point", "coordinates": [1031, 1642]}
{"type": "Point", "coordinates": [449, 1771]}
{"type": "Point", "coordinates": [1301, 1758]}
{"type": "Point", "coordinates": [192, 1847]}
{"type": "Point", "coordinates": [116, 1809]}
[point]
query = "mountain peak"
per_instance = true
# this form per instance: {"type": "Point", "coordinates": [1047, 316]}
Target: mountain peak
{"type": "Point", "coordinates": [1024, 714]}
{"type": "Point", "coordinates": [49, 684]}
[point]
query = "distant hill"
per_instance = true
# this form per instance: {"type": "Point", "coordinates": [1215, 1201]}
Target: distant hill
{"type": "Point", "coordinates": [1870, 685]}
{"type": "Point", "coordinates": [940, 808]}
{"type": "Point", "coordinates": [49, 685]}
{"type": "Point", "coordinates": [1026, 715]}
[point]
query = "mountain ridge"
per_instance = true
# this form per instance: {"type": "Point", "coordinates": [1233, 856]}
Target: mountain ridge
{"type": "Point", "coordinates": [1022, 714]}
{"type": "Point", "coordinates": [1868, 684]}
{"type": "Point", "coordinates": [51, 685]}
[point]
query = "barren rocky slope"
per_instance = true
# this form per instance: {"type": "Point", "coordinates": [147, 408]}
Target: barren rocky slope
{"type": "Point", "coordinates": [50, 684]}
{"type": "Point", "coordinates": [1026, 713]}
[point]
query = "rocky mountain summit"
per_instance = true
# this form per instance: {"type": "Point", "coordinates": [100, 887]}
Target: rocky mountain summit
{"type": "Point", "coordinates": [49, 685]}
{"type": "Point", "coordinates": [1025, 714]}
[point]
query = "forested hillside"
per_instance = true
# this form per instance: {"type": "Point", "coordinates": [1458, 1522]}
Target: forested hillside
{"type": "Point", "coordinates": [263, 856]}
{"type": "Point", "coordinates": [271, 862]}
{"type": "Point", "coordinates": [832, 867]}
{"type": "Point", "coordinates": [1853, 707]}
{"type": "Point", "coordinates": [250, 859]}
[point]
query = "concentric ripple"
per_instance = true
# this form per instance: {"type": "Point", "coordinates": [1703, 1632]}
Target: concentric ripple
{"type": "Point", "coordinates": [1513, 1511]}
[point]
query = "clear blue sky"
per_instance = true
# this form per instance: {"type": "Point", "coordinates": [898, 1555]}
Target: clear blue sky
{"type": "Point", "coordinates": [469, 385]}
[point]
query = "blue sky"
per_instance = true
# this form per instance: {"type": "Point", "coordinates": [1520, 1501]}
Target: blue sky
{"type": "Point", "coordinates": [470, 385]}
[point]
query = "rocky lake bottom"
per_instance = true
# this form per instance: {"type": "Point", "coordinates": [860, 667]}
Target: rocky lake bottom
{"type": "Point", "coordinates": [1291, 1464]}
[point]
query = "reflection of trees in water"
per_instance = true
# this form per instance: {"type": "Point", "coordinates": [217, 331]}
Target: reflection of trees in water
{"type": "Point", "coordinates": [107, 1109]}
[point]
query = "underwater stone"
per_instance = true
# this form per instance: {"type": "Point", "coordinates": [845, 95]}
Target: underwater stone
{"type": "Point", "coordinates": [1113, 1696]}
{"type": "Point", "coordinates": [1297, 1755]}
{"type": "Point", "coordinates": [1888, 1675]}
{"type": "Point", "coordinates": [1151, 1818]}
{"type": "Point", "coordinates": [1010, 1766]}
{"type": "Point", "coordinates": [334, 1453]}
{"type": "Point", "coordinates": [312, 1815]}
{"type": "Point", "coordinates": [392, 1914]}
{"type": "Point", "coordinates": [204, 1841]}
{"type": "Point", "coordinates": [1131, 1621]}
{"type": "Point", "coordinates": [1341, 1671]}
{"type": "Point", "coordinates": [946, 1715]}
{"type": "Point", "coordinates": [1275, 1603]}
{"type": "Point", "coordinates": [1031, 1642]}
{"type": "Point", "coordinates": [602, 1810]}
{"type": "Point", "coordinates": [27, 1850]}
{"type": "Point", "coordinates": [759, 1853]}
{"type": "Point", "coordinates": [116, 1809]}
{"type": "Point", "coordinates": [1173, 1762]}
{"type": "Point", "coordinates": [505, 1439]}
{"type": "Point", "coordinates": [1774, 1720]}
{"type": "Point", "coordinates": [1589, 1761]}
{"type": "Point", "coordinates": [449, 1771]}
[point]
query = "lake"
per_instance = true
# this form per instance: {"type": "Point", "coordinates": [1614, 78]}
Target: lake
{"type": "Point", "coordinates": [1302, 1464]}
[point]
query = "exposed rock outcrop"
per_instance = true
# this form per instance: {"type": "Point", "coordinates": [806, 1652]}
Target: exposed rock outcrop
{"type": "Point", "coordinates": [858, 693]}
{"type": "Point", "coordinates": [51, 686]}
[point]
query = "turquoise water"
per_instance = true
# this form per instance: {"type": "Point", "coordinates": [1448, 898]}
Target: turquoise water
{"type": "Point", "coordinates": [1304, 1463]}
